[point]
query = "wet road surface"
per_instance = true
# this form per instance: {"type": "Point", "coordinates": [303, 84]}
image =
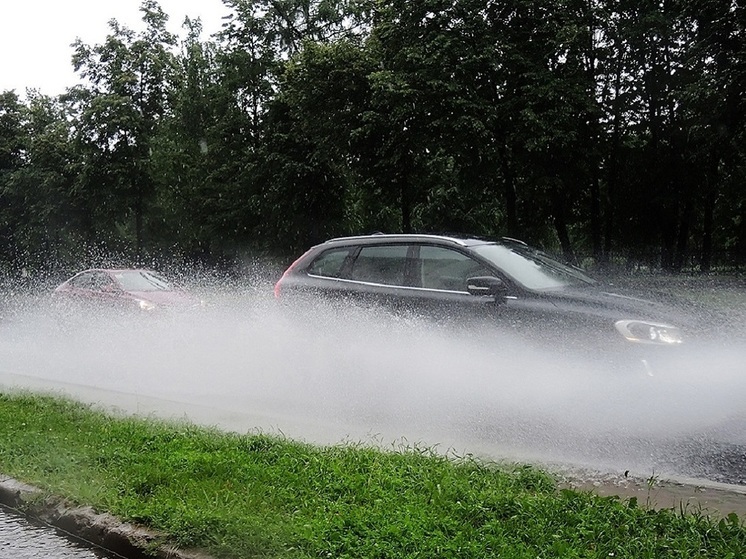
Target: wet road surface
{"type": "Point", "coordinates": [22, 539]}
{"type": "Point", "coordinates": [327, 379]}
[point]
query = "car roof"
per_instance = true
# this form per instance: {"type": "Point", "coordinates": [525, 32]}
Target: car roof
{"type": "Point", "coordinates": [109, 271]}
{"type": "Point", "coordinates": [455, 239]}
{"type": "Point", "coordinates": [115, 270]}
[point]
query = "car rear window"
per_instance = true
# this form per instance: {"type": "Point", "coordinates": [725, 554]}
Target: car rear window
{"type": "Point", "coordinates": [329, 263]}
{"type": "Point", "coordinates": [82, 281]}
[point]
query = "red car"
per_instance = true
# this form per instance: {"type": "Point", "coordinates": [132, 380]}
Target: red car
{"type": "Point", "coordinates": [123, 289]}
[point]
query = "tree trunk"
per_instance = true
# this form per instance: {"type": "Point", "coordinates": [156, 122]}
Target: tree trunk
{"type": "Point", "coordinates": [511, 206]}
{"type": "Point", "coordinates": [511, 197]}
{"type": "Point", "coordinates": [138, 223]}
{"type": "Point", "coordinates": [596, 219]}
{"type": "Point", "coordinates": [406, 208]}
{"type": "Point", "coordinates": [613, 172]}
{"type": "Point", "coordinates": [708, 225]}
{"type": "Point", "coordinates": [668, 239]}
{"type": "Point", "coordinates": [560, 224]}
{"type": "Point", "coordinates": [682, 238]}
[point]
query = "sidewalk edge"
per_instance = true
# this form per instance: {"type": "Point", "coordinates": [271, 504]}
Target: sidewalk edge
{"type": "Point", "coordinates": [100, 529]}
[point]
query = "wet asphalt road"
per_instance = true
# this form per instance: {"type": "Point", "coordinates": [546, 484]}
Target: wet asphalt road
{"type": "Point", "coordinates": [249, 371]}
{"type": "Point", "coordinates": [21, 539]}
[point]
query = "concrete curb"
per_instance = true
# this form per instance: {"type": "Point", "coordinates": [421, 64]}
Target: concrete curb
{"type": "Point", "coordinates": [103, 530]}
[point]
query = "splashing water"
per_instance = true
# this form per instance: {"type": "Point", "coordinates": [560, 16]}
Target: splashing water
{"type": "Point", "coordinates": [330, 374]}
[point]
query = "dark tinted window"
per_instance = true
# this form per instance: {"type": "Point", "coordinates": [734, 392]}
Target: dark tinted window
{"type": "Point", "coordinates": [446, 269]}
{"type": "Point", "coordinates": [329, 264]}
{"type": "Point", "coordinates": [381, 264]}
{"type": "Point", "coordinates": [82, 281]}
{"type": "Point", "coordinates": [101, 281]}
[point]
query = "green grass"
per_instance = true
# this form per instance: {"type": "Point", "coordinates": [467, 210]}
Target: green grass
{"type": "Point", "coordinates": [264, 496]}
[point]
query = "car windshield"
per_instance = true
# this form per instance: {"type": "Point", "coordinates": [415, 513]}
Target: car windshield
{"type": "Point", "coordinates": [531, 268]}
{"type": "Point", "coordinates": [140, 280]}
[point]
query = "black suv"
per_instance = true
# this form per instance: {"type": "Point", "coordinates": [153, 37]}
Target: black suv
{"type": "Point", "coordinates": [506, 281]}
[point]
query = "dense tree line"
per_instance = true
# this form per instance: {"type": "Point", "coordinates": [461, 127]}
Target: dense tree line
{"type": "Point", "coordinates": [609, 130]}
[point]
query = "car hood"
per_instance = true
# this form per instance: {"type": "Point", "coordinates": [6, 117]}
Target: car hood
{"type": "Point", "coordinates": [624, 304]}
{"type": "Point", "coordinates": [168, 298]}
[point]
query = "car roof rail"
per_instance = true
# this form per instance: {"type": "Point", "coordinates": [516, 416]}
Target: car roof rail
{"type": "Point", "coordinates": [512, 240]}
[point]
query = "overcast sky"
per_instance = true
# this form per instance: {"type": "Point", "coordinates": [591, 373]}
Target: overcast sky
{"type": "Point", "coordinates": [35, 35]}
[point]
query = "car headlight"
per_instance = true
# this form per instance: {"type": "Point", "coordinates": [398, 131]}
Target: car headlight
{"type": "Point", "coordinates": [145, 305]}
{"type": "Point", "coordinates": [649, 332]}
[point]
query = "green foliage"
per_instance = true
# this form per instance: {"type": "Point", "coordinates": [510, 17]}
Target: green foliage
{"type": "Point", "coordinates": [610, 128]}
{"type": "Point", "coordinates": [257, 495]}
{"type": "Point", "coordinates": [119, 114]}
{"type": "Point", "coordinates": [41, 214]}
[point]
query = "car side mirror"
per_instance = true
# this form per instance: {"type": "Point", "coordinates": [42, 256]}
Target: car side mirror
{"type": "Point", "coordinates": [486, 285]}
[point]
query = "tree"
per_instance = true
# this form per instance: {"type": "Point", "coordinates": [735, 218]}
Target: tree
{"type": "Point", "coordinates": [716, 114]}
{"type": "Point", "coordinates": [312, 181]}
{"type": "Point", "coordinates": [41, 210]}
{"type": "Point", "coordinates": [119, 114]}
{"type": "Point", "coordinates": [12, 146]}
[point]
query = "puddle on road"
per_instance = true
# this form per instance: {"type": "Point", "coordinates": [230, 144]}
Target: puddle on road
{"type": "Point", "coordinates": [22, 539]}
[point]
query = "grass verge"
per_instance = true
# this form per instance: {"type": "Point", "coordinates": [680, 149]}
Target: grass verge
{"type": "Point", "coordinates": [264, 496]}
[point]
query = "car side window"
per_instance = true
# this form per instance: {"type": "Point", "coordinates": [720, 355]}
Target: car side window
{"type": "Point", "coordinates": [446, 269]}
{"type": "Point", "coordinates": [101, 282]}
{"type": "Point", "coordinates": [381, 264]}
{"type": "Point", "coordinates": [83, 281]}
{"type": "Point", "coordinates": [329, 264]}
